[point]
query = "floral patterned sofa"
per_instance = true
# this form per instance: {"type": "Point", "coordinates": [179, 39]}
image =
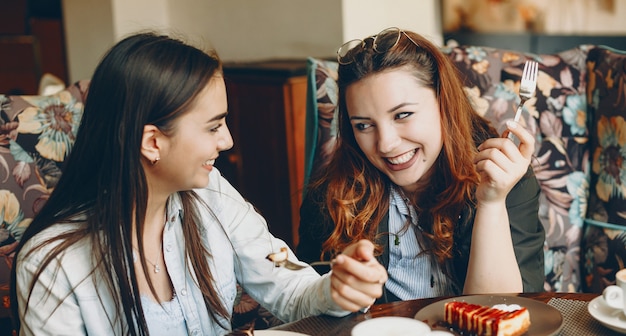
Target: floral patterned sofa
{"type": "Point", "coordinates": [577, 116]}
{"type": "Point", "coordinates": [36, 135]}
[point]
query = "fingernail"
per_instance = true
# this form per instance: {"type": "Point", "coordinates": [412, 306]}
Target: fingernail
{"type": "Point", "coordinates": [511, 124]}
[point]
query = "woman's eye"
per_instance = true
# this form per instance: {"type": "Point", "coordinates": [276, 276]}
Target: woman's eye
{"type": "Point", "coordinates": [403, 115]}
{"type": "Point", "coordinates": [215, 129]}
{"type": "Point", "coordinates": [362, 127]}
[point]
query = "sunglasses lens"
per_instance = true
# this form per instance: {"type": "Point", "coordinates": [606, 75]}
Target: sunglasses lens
{"type": "Point", "coordinates": [387, 39]}
{"type": "Point", "coordinates": [343, 54]}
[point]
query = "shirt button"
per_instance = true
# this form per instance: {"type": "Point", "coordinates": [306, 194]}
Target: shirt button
{"type": "Point", "coordinates": [169, 247]}
{"type": "Point", "coordinates": [183, 292]}
{"type": "Point", "coordinates": [195, 332]}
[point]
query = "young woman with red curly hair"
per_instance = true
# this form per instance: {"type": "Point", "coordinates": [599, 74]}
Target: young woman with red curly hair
{"type": "Point", "coordinates": [451, 205]}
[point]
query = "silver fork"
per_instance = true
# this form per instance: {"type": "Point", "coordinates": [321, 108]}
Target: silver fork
{"type": "Point", "coordinates": [280, 259]}
{"type": "Point", "coordinates": [295, 267]}
{"type": "Point", "coordinates": [527, 87]}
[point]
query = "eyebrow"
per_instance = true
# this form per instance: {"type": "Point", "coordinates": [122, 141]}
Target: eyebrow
{"type": "Point", "coordinates": [393, 109]}
{"type": "Point", "coordinates": [218, 117]}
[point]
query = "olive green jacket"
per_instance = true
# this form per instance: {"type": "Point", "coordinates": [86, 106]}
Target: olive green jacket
{"type": "Point", "coordinates": [526, 230]}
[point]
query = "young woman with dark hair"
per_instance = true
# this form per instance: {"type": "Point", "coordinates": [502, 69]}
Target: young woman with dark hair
{"type": "Point", "coordinates": [142, 235]}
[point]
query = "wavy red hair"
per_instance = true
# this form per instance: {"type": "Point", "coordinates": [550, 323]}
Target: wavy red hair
{"type": "Point", "coordinates": [357, 194]}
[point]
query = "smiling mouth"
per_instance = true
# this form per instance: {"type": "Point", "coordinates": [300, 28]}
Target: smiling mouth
{"type": "Point", "coordinates": [404, 158]}
{"type": "Point", "coordinates": [209, 162]}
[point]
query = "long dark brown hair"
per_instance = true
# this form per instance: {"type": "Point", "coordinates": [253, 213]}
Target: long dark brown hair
{"type": "Point", "coordinates": [357, 194]}
{"type": "Point", "coordinates": [145, 79]}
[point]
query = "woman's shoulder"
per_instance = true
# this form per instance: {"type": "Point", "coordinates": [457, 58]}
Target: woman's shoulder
{"type": "Point", "coordinates": [50, 232]}
{"type": "Point", "coordinates": [68, 273]}
{"type": "Point", "coordinates": [42, 244]}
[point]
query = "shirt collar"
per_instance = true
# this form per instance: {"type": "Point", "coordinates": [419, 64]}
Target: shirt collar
{"type": "Point", "coordinates": [405, 209]}
{"type": "Point", "coordinates": [174, 209]}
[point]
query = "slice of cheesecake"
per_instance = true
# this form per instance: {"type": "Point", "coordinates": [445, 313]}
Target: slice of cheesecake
{"type": "Point", "coordinates": [480, 320]}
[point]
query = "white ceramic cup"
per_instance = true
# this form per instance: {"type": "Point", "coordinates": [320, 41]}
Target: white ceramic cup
{"type": "Point", "coordinates": [615, 295]}
{"type": "Point", "coordinates": [391, 326]}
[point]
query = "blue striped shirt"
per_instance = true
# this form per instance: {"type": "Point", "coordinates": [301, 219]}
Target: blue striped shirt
{"type": "Point", "coordinates": [411, 275]}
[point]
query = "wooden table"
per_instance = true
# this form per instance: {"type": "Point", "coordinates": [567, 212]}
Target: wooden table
{"type": "Point", "coordinates": [326, 325]}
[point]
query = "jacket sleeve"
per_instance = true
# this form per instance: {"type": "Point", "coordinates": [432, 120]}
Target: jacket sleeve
{"type": "Point", "coordinates": [288, 295]}
{"type": "Point", "coordinates": [527, 231]}
{"type": "Point", "coordinates": [68, 297]}
{"type": "Point", "coordinates": [50, 309]}
{"type": "Point", "coordinates": [315, 228]}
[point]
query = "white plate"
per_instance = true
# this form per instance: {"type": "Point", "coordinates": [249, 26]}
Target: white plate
{"type": "Point", "coordinates": [390, 325]}
{"type": "Point", "coordinates": [545, 320]}
{"type": "Point", "coordinates": [610, 317]}
{"type": "Point", "coordinates": [277, 333]}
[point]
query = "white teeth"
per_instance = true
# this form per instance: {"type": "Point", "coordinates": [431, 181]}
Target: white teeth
{"type": "Point", "coordinates": [404, 158]}
{"type": "Point", "coordinates": [209, 162]}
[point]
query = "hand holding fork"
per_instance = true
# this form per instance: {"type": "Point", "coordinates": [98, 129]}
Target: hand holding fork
{"type": "Point", "coordinates": [528, 85]}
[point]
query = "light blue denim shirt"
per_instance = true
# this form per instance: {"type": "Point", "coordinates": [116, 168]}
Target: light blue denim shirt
{"type": "Point", "coordinates": [412, 274]}
{"type": "Point", "coordinates": [238, 239]}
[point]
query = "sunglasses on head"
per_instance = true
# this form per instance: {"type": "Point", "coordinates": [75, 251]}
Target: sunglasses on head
{"type": "Point", "coordinates": [383, 42]}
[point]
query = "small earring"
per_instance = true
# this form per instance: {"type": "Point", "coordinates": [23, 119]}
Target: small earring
{"type": "Point", "coordinates": [155, 161]}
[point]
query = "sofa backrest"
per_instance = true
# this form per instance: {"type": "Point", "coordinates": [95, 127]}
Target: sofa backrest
{"type": "Point", "coordinates": [36, 135]}
{"type": "Point", "coordinates": [603, 250]}
{"type": "Point", "coordinates": [557, 115]}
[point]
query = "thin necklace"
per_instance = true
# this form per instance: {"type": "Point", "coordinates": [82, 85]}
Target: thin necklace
{"type": "Point", "coordinates": [156, 266]}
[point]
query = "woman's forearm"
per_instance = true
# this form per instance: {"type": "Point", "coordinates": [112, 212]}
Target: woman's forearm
{"type": "Point", "coordinates": [492, 265]}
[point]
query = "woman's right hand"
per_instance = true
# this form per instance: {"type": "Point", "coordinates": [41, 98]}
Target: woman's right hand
{"type": "Point", "coordinates": [357, 278]}
{"type": "Point", "coordinates": [501, 164]}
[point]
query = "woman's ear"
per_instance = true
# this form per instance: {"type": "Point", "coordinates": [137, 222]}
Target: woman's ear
{"type": "Point", "coordinates": [150, 144]}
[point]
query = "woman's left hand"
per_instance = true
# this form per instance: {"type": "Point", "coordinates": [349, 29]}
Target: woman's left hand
{"type": "Point", "coordinates": [501, 164]}
{"type": "Point", "coordinates": [357, 278]}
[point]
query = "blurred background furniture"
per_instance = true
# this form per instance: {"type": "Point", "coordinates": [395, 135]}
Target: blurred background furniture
{"type": "Point", "coordinates": [532, 42]}
{"type": "Point", "coordinates": [31, 44]}
{"type": "Point", "coordinates": [20, 64]}
{"type": "Point", "coordinates": [266, 103]}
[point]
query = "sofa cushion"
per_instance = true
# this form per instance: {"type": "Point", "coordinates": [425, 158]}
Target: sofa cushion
{"type": "Point", "coordinates": [36, 135]}
{"type": "Point", "coordinates": [604, 244]}
{"type": "Point", "coordinates": [322, 96]}
{"type": "Point", "coordinates": [556, 116]}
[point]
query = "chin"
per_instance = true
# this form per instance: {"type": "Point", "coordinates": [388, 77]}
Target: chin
{"type": "Point", "coordinates": [201, 183]}
{"type": "Point", "coordinates": [410, 187]}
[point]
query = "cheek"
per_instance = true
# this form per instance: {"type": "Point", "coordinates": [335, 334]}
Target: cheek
{"type": "Point", "coordinates": [435, 127]}
{"type": "Point", "coordinates": [366, 142]}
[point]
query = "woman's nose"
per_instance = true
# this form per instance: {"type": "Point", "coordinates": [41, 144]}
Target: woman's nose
{"type": "Point", "coordinates": [388, 139]}
{"type": "Point", "coordinates": [226, 141]}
